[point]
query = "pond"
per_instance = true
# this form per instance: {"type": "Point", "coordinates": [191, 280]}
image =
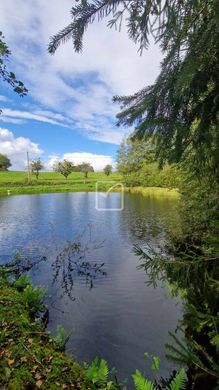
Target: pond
{"type": "Point", "coordinates": [94, 288]}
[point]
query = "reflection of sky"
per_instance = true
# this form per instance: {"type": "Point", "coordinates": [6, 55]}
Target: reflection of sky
{"type": "Point", "coordinates": [120, 318]}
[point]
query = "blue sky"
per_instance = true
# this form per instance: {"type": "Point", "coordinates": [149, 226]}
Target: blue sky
{"type": "Point", "coordinates": [68, 112]}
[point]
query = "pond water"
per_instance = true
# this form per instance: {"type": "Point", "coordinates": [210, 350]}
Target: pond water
{"type": "Point", "coordinates": [94, 288]}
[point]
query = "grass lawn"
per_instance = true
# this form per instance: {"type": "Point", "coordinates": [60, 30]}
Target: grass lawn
{"type": "Point", "coordinates": [17, 182]}
{"type": "Point", "coordinates": [21, 177]}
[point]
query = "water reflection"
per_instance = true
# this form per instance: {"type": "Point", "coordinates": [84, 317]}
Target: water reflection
{"type": "Point", "coordinates": [119, 318]}
{"type": "Point", "coordinates": [71, 263]}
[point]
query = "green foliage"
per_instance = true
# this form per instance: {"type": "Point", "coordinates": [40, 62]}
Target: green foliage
{"type": "Point", "coordinates": [132, 154]}
{"type": "Point", "coordinates": [136, 161]}
{"type": "Point", "coordinates": [181, 109]}
{"type": "Point", "coordinates": [64, 167]}
{"type": "Point", "coordinates": [22, 376]}
{"type": "Point", "coordinates": [192, 267]}
{"type": "Point", "coordinates": [85, 168]}
{"type": "Point", "coordinates": [61, 339]}
{"type": "Point", "coordinates": [96, 372]}
{"type": "Point", "coordinates": [36, 166]}
{"type": "Point", "coordinates": [4, 162]}
{"type": "Point", "coordinates": [6, 75]}
{"type": "Point", "coordinates": [108, 169]}
{"type": "Point", "coordinates": [155, 363]}
{"type": "Point", "coordinates": [22, 282]}
{"type": "Point", "coordinates": [177, 383]}
{"type": "Point", "coordinates": [141, 383]}
{"type": "Point", "coordinates": [29, 357]}
{"type": "Point", "coordinates": [32, 297]}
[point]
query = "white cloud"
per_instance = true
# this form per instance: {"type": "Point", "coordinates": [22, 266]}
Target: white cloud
{"type": "Point", "coordinates": [98, 161]}
{"type": "Point", "coordinates": [9, 115]}
{"type": "Point", "coordinates": [78, 86]}
{"type": "Point", "coordinates": [16, 149]}
{"type": "Point", "coordinates": [102, 129]}
{"type": "Point", "coordinates": [15, 121]}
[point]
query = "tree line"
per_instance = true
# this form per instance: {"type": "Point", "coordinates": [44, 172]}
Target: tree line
{"type": "Point", "coordinates": [64, 167]}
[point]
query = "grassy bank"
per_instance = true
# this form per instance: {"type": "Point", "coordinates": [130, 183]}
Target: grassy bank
{"type": "Point", "coordinates": [13, 183]}
{"type": "Point", "coordinates": [29, 357]}
{"type": "Point", "coordinates": [155, 192]}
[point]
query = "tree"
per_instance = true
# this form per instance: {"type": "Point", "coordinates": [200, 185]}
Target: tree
{"type": "Point", "coordinates": [108, 169]}
{"type": "Point", "coordinates": [181, 108]}
{"type": "Point", "coordinates": [64, 167]}
{"type": "Point", "coordinates": [36, 166]}
{"type": "Point", "coordinates": [6, 75]}
{"type": "Point", "coordinates": [5, 163]}
{"type": "Point", "coordinates": [132, 154]}
{"type": "Point", "coordinates": [85, 168]}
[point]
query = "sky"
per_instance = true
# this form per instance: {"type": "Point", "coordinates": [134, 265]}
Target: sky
{"type": "Point", "coordinates": [68, 112]}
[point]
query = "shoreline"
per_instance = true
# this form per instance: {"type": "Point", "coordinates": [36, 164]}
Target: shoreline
{"type": "Point", "coordinates": [30, 356]}
{"type": "Point", "coordinates": [85, 187]}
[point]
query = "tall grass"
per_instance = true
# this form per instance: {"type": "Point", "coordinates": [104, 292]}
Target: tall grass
{"type": "Point", "coordinates": [154, 191]}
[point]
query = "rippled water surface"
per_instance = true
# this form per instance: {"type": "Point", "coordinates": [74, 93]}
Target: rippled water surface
{"type": "Point", "coordinates": [93, 286]}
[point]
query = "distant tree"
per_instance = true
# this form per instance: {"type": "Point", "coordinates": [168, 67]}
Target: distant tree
{"type": "Point", "coordinates": [85, 168]}
{"type": "Point", "coordinates": [7, 76]}
{"type": "Point", "coordinates": [36, 166]}
{"type": "Point", "coordinates": [64, 167]}
{"type": "Point", "coordinates": [5, 163]}
{"type": "Point", "coordinates": [108, 169]}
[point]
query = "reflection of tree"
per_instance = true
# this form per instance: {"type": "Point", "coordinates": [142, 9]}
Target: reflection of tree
{"type": "Point", "coordinates": [71, 263]}
{"type": "Point", "coordinates": [149, 218]}
{"type": "Point", "coordinates": [193, 274]}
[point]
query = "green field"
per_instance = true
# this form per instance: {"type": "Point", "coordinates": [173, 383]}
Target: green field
{"type": "Point", "coordinates": [14, 182]}
{"type": "Point", "coordinates": [18, 183]}
{"type": "Point", "coordinates": [11, 177]}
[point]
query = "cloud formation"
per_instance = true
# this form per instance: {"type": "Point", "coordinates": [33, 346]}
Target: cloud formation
{"type": "Point", "coordinates": [17, 116]}
{"type": "Point", "coordinates": [16, 149]}
{"type": "Point", "coordinates": [98, 161]}
{"type": "Point", "coordinates": [75, 86]}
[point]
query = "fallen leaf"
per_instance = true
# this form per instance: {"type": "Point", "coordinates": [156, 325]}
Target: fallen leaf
{"type": "Point", "coordinates": [34, 368]}
{"type": "Point", "coordinates": [38, 376]}
{"type": "Point", "coordinates": [39, 384]}
{"type": "Point", "coordinates": [23, 359]}
{"type": "Point", "coordinates": [30, 341]}
{"type": "Point", "coordinates": [10, 361]}
{"type": "Point", "coordinates": [48, 358]}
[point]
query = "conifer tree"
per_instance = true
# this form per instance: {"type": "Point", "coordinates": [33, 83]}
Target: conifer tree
{"type": "Point", "coordinates": [181, 108]}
